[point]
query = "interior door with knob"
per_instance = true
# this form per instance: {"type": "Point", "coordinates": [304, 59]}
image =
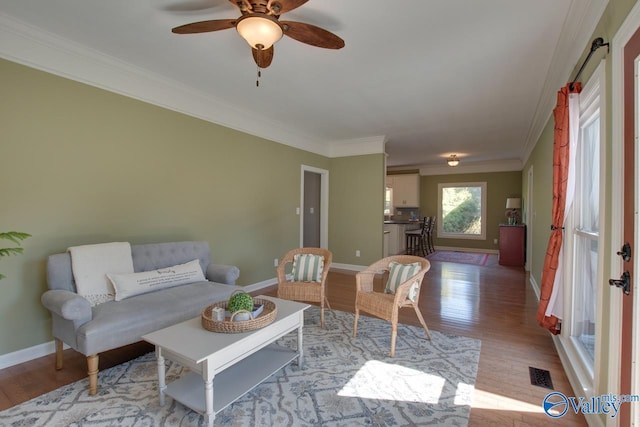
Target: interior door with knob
{"type": "Point", "coordinates": [627, 249]}
{"type": "Point", "coordinates": [314, 200]}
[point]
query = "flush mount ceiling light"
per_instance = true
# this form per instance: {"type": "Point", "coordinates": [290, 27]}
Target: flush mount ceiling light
{"type": "Point", "coordinates": [453, 160]}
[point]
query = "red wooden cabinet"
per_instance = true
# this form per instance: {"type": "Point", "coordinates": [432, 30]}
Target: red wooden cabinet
{"type": "Point", "coordinates": [512, 244]}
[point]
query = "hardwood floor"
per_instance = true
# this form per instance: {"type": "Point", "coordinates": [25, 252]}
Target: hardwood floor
{"type": "Point", "coordinates": [492, 303]}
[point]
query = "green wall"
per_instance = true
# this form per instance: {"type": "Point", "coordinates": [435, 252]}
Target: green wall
{"type": "Point", "coordinates": [500, 186]}
{"type": "Point", "coordinates": [541, 164]}
{"type": "Point", "coordinates": [358, 226]}
{"type": "Point", "coordinates": [81, 165]}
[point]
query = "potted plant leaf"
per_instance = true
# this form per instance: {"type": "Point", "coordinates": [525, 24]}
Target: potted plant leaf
{"type": "Point", "coordinates": [16, 237]}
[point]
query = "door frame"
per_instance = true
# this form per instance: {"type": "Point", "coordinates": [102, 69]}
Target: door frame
{"type": "Point", "coordinates": [529, 220]}
{"type": "Point", "coordinates": [324, 204]}
{"type": "Point", "coordinates": [629, 27]}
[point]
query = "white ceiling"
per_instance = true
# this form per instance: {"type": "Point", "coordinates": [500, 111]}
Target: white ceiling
{"type": "Point", "coordinates": [428, 77]}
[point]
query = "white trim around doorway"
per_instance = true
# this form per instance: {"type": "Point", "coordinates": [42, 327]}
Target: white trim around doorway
{"type": "Point", "coordinates": [324, 204]}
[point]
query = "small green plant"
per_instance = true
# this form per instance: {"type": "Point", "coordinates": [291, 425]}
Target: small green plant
{"type": "Point", "coordinates": [15, 237]}
{"type": "Point", "coordinates": [240, 301]}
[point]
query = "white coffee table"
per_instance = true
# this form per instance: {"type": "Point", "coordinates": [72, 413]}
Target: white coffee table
{"type": "Point", "coordinates": [223, 366]}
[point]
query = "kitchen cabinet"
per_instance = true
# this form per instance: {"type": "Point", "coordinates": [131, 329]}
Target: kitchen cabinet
{"type": "Point", "coordinates": [397, 243]}
{"type": "Point", "coordinates": [406, 190]}
{"type": "Point", "coordinates": [512, 245]}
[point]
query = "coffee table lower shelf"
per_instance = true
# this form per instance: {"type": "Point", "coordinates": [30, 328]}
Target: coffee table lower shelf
{"type": "Point", "coordinates": [232, 383]}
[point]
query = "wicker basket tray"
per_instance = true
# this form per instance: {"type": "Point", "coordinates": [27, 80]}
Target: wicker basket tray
{"type": "Point", "coordinates": [227, 326]}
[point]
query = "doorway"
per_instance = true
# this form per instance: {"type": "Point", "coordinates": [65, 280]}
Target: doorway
{"type": "Point", "coordinates": [311, 208]}
{"type": "Point", "coordinates": [314, 214]}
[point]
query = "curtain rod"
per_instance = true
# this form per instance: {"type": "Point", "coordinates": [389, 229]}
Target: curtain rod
{"type": "Point", "coordinates": [595, 45]}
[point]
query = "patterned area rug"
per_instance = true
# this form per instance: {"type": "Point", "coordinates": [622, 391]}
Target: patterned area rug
{"type": "Point", "coordinates": [473, 258]}
{"type": "Point", "coordinates": [344, 382]}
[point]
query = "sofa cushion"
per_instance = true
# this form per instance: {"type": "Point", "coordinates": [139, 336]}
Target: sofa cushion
{"type": "Point", "coordinates": [118, 323]}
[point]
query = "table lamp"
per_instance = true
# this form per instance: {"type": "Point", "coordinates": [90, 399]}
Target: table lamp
{"type": "Point", "coordinates": [513, 204]}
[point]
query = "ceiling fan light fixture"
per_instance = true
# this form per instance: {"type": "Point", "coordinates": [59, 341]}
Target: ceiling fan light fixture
{"type": "Point", "coordinates": [259, 30]}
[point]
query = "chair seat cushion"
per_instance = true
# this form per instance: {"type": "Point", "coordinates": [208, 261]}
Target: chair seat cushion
{"type": "Point", "coordinates": [376, 303]}
{"type": "Point", "coordinates": [118, 323]}
{"type": "Point", "coordinates": [300, 291]}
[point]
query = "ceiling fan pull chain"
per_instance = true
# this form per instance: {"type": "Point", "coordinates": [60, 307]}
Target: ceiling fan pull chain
{"type": "Point", "coordinates": [258, 78]}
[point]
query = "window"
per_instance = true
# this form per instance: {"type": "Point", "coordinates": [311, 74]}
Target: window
{"type": "Point", "coordinates": [462, 210]}
{"type": "Point", "coordinates": [582, 246]}
{"type": "Point", "coordinates": [585, 236]}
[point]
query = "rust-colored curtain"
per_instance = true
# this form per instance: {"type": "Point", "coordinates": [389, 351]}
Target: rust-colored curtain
{"type": "Point", "coordinates": [560, 172]}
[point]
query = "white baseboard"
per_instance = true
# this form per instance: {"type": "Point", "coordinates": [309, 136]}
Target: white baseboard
{"type": "Point", "coordinates": [27, 354]}
{"type": "Point", "coordinates": [535, 286]}
{"type": "Point", "coordinates": [475, 250]}
{"type": "Point", "coordinates": [352, 267]}
{"type": "Point", "coordinates": [47, 348]}
{"type": "Point", "coordinates": [261, 285]}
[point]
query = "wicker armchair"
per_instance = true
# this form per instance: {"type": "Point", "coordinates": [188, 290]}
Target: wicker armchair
{"type": "Point", "coordinates": [386, 305]}
{"type": "Point", "coordinates": [305, 291]}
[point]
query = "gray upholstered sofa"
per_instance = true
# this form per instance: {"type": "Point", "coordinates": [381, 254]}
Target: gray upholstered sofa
{"type": "Point", "coordinates": [92, 330]}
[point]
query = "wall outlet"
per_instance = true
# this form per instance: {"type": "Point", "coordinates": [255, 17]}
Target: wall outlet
{"type": "Point", "coordinates": [495, 241]}
{"type": "Point", "coordinates": [358, 252]}
{"type": "Point", "coordinates": [275, 262]}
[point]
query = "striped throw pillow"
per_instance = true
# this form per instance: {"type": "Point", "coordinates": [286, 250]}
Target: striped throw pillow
{"type": "Point", "coordinates": [399, 273]}
{"type": "Point", "coordinates": [307, 268]}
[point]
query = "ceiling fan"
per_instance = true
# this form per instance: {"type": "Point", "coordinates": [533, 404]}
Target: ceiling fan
{"type": "Point", "coordinates": [261, 27]}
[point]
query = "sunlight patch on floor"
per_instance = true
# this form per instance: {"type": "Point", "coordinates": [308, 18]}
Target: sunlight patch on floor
{"type": "Point", "coordinates": [486, 400]}
{"type": "Point", "coordinates": [379, 380]}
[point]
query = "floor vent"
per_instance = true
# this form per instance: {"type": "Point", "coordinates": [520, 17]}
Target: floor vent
{"type": "Point", "coordinates": [540, 377]}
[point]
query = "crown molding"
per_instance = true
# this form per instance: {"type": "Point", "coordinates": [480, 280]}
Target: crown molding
{"type": "Point", "coordinates": [35, 48]}
{"type": "Point", "coordinates": [576, 33]}
{"type": "Point", "coordinates": [358, 146]}
{"type": "Point", "coordinates": [512, 165]}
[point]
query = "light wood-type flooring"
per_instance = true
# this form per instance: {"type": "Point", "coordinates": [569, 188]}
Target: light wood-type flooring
{"type": "Point", "coordinates": [492, 303]}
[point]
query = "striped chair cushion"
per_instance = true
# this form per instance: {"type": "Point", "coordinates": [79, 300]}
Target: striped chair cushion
{"type": "Point", "coordinates": [398, 274]}
{"type": "Point", "coordinates": [307, 268]}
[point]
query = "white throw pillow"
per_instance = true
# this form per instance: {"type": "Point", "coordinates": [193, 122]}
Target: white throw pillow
{"type": "Point", "coordinates": [90, 265]}
{"type": "Point", "coordinates": [128, 285]}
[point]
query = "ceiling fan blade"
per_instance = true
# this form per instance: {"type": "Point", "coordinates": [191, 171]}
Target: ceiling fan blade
{"type": "Point", "coordinates": [263, 57]}
{"type": "Point", "coordinates": [284, 6]}
{"type": "Point", "coordinates": [205, 26]}
{"type": "Point", "coordinates": [310, 34]}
